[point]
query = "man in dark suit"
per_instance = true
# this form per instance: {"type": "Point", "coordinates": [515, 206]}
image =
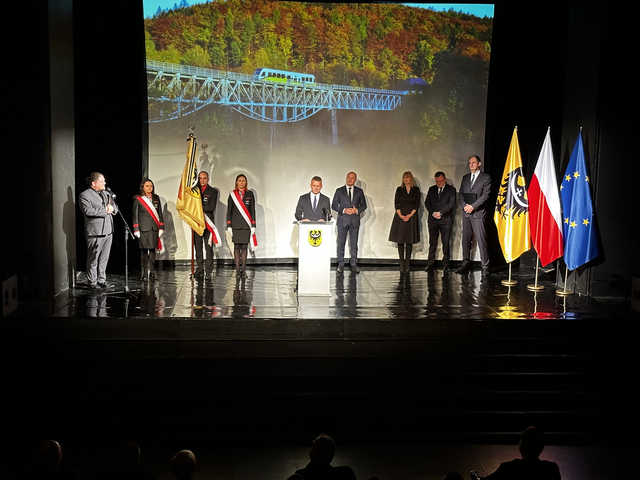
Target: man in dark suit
{"type": "Point", "coordinates": [474, 193]}
{"type": "Point", "coordinates": [440, 203]}
{"type": "Point", "coordinates": [313, 206]}
{"type": "Point", "coordinates": [209, 197]}
{"type": "Point", "coordinates": [98, 208]}
{"type": "Point", "coordinates": [350, 204]}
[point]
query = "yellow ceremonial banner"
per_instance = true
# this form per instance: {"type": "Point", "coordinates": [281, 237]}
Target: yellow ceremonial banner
{"type": "Point", "coordinates": [512, 206]}
{"type": "Point", "coordinates": [189, 204]}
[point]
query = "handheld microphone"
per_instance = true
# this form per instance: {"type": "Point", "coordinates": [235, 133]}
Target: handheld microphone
{"type": "Point", "coordinates": [110, 192]}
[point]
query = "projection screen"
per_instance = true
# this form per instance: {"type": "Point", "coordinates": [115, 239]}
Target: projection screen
{"type": "Point", "coordinates": [283, 91]}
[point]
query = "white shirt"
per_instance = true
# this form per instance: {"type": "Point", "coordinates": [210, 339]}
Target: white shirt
{"type": "Point", "coordinates": [316, 196]}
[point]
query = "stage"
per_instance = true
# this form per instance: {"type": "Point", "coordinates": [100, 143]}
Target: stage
{"type": "Point", "coordinates": [377, 293]}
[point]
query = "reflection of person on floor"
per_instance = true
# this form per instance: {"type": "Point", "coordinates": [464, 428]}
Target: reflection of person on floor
{"type": "Point", "coordinates": [96, 305]}
{"type": "Point", "coordinates": [319, 466]}
{"type": "Point", "coordinates": [529, 466]}
{"type": "Point", "coordinates": [148, 227]}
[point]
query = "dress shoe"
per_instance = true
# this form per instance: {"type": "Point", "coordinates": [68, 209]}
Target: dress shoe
{"type": "Point", "coordinates": [430, 265]}
{"type": "Point", "coordinates": [208, 276]}
{"type": "Point", "coordinates": [340, 268]}
{"type": "Point", "coordinates": [355, 268]}
{"type": "Point", "coordinates": [93, 286]}
{"type": "Point", "coordinates": [466, 265]}
{"type": "Point", "coordinates": [445, 265]}
{"type": "Point", "coordinates": [485, 271]}
{"type": "Point", "coordinates": [199, 274]}
{"type": "Point", "coordinates": [102, 285]}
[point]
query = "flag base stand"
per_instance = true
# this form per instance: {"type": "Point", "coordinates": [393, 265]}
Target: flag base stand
{"type": "Point", "coordinates": [535, 287]}
{"type": "Point", "coordinates": [563, 292]}
{"type": "Point", "coordinates": [509, 282]}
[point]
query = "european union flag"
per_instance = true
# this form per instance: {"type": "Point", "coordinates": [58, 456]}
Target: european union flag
{"type": "Point", "coordinates": [580, 238]}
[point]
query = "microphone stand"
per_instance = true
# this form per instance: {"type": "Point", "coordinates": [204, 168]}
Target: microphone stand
{"type": "Point", "coordinates": [127, 234]}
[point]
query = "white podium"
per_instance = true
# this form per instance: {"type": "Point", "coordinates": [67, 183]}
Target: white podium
{"type": "Point", "coordinates": [314, 257]}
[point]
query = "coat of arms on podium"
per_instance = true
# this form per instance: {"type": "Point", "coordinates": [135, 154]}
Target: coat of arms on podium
{"type": "Point", "coordinates": [315, 238]}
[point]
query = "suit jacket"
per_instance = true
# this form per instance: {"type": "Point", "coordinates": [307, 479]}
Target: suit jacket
{"type": "Point", "coordinates": [142, 220]}
{"type": "Point", "coordinates": [94, 208]}
{"type": "Point", "coordinates": [341, 201]}
{"type": "Point", "coordinates": [209, 201]}
{"type": "Point", "coordinates": [443, 203]}
{"type": "Point", "coordinates": [304, 209]}
{"type": "Point", "coordinates": [481, 187]}
{"type": "Point", "coordinates": [234, 217]}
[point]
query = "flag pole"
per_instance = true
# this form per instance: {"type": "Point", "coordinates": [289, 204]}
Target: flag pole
{"type": "Point", "coordinates": [564, 292]}
{"type": "Point", "coordinates": [509, 282]}
{"type": "Point", "coordinates": [535, 287]}
{"type": "Point", "coordinates": [192, 249]}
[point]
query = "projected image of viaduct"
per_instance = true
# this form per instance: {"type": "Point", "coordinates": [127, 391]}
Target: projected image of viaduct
{"type": "Point", "coordinates": [269, 95]}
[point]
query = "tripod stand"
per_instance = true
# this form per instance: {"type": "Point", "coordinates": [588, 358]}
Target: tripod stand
{"type": "Point", "coordinates": [127, 234]}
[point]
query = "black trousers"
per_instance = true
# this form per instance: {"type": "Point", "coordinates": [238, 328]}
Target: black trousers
{"type": "Point", "coordinates": [473, 227]}
{"type": "Point", "coordinates": [199, 242]}
{"type": "Point", "coordinates": [349, 229]}
{"type": "Point", "coordinates": [442, 230]}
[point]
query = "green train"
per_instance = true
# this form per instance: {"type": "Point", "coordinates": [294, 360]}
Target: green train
{"type": "Point", "coordinates": [283, 76]}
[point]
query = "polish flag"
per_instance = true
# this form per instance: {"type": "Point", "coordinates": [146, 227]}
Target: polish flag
{"type": "Point", "coordinates": [545, 212]}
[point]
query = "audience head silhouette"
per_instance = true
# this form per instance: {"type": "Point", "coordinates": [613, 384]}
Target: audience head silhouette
{"type": "Point", "coordinates": [531, 443]}
{"type": "Point", "coordinates": [47, 456]}
{"type": "Point", "coordinates": [322, 450]}
{"type": "Point", "coordinates": [183, 464]}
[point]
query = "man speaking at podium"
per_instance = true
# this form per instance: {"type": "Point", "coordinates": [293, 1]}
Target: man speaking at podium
{"type": "Point", "coordinates": [313, 206]}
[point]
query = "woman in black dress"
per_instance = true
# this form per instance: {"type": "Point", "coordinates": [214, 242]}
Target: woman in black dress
{"type": "Point", "coordinates": [148, 226]}
{"type": "Point", "coordinates": [242, 223]}
{"type": "Point", "coordinates": [405, 230]}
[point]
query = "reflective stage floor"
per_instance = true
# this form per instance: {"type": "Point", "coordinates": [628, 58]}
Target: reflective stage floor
{"type": "Point", "coordinates": [269, 292]}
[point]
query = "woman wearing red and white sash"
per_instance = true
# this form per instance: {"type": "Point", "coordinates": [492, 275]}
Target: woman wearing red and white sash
{"type": "Point", "coordinates": [241, 219]}
{"type": "Point", "coordinates": [148, 227]}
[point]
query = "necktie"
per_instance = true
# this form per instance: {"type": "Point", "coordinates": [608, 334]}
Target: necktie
{"type": "Point", "coordinates": [315, 201]}
{"type": "Point", "coordinates": [473, 178]}
{"type": "Point", "coordinates": [439, 190]}
{"type": "Point", "coordinates": [350, 197]}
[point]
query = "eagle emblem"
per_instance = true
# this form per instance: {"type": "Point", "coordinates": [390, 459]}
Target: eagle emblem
{"type": "Point", "coordinates": [512, 196]}
{"type": "Point", "coordinates": [315, 238]}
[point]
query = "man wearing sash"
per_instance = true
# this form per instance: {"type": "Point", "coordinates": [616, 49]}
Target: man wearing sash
{"type": "Point", "coordinates": [209, 237]}
{"type": "Point", "coordinates": [148, 227]}
{"type": "Point", "coordinates": [241, 219]}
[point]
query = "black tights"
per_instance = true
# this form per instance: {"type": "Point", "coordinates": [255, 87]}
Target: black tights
{"type": "Point", "coordinates": [240, 256]}
{"type": "Point", "coordinates": [404, 251]}
{"type": "Point", "coordinates": [147, 259]}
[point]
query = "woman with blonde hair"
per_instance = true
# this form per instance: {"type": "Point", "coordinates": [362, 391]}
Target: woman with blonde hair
{"type": "Point", "coordinates": [405, 230]}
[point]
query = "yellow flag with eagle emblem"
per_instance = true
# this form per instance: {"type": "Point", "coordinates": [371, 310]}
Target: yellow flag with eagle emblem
{"type": "Point", "coordinates": [512, 206]}
{"type": "Point", "coordinates": [189, 204]}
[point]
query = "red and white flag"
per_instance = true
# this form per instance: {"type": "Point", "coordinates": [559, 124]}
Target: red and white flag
{"type": "Point", "coordinates": [545, 212]}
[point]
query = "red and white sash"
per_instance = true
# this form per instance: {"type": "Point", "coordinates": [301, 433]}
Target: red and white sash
{"type": "Point", "coordinates": [214, 236]}
{"type": "Point", "coordinates": [242, 208]}
{"type": "Point", "coordinates": [148, 205]}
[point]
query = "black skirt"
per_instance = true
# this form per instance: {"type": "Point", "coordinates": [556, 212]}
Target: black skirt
{"type": "Point", "coordinates": [148, 239]}
{"type": "Point", "coordinates": [241, 235]}
{"type": "Point", "coordinates": [404, 232]}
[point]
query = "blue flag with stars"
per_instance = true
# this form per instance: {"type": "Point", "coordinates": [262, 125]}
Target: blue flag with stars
{"type": "Point", "coordinates": [580, 236]}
